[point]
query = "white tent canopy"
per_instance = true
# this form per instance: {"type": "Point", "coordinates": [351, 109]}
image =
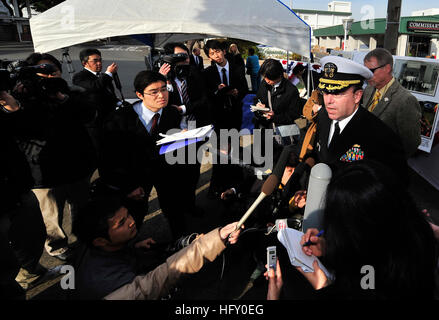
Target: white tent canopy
{"type": "Point", "coordinates": [268, 22]}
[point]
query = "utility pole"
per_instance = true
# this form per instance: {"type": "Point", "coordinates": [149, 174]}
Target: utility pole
{"type": "Point", "coordinates": [392, 27]}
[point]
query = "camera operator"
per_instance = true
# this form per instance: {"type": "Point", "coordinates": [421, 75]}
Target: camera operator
{"type": "Point", "coordinates": [22, 230]}
{"type": "Point", "coordinates": [49, 127]}
{"type": "Point", "coordinates": [185, 84]}
{"type": "Point", "coordinates": [188, 94]}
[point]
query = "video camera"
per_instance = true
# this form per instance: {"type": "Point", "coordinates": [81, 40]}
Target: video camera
{"type": "Point", "coordinates": [157, 58]}
{"type": "Point", "coordinates": [34, 85]}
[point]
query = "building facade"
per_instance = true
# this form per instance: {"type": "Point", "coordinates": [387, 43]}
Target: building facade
{"type": "Point", "coordinates": [316, 19]}
{"type": "Point", "coordinates": [418, 36]}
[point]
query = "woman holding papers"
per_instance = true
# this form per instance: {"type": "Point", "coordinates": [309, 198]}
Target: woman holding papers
{"type": "Point", "coordinates": [376, 243]}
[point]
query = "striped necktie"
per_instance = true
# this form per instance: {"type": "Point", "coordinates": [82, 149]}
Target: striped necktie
{"type": "Point", "coordinates": [184, 93]}
{"type": "Point", "coordinates": [376, 99]}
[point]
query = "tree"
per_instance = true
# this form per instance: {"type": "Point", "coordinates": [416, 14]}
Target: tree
{"type": "Point", "coordinates": [37, 5]}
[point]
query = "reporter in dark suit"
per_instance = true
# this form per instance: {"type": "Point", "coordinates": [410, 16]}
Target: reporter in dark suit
{"type": "Point", "coordinates": [225, 95]}
{"type": "Point", "coordinates": [188, 94]}
{"type": "Point", "coordinates": [130, 159]}
{"type": "Point", "coordinates": [99, 88]}
{"type": "Point", "coordinates": [226, 88]}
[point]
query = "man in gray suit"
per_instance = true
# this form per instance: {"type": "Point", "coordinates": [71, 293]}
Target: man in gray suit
{"type": "Point", "coordinates": [390, 102]}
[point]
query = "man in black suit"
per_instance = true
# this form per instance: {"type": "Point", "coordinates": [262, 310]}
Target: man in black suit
{"type": "Point", "coordinates": [226, 88]}
{"type": "Point", "coordinates": [186, 86]}
{"type": "Point", "coordinates": [188, 94]}
{"type": "Point", "coordinates": [99, 88]}
{"type": "Point", "coordinates": [196, 60]}
{"type": "Point", "coordinates": [346, 132]}
{"type": "Point", "coordinates": [358, 134]}
{"type": "Point", "coordinates": [131, 162]}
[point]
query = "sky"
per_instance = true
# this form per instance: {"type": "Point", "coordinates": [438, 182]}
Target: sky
{"type": "Point", "coordinates": [376, 7]}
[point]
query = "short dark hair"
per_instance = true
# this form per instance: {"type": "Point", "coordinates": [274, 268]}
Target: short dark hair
{"type": "Point", "coordinates": [144, 78]}
{"type": "Point", "coordinates": [382, 55]}
{"type": "Point", "coordinates": [34, 58]}
{"type": "Point", "coordinates": [84, 54]}
{"type": "Point", "coordinates": [251, 51]}
{"type": "Point", "coordinates": [272, 69]}
{"type": "Point", "coordinates": [298, 68]}
{"type": "Point", "coordinates": [170, 47]}
{"type": "Point", "coordinates": [214, 45]}
{"type": "Point", "coordinates": [92, 219]}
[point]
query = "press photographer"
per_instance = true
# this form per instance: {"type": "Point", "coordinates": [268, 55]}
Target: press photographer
{"type": "Point", "coordinates": [49, 128]}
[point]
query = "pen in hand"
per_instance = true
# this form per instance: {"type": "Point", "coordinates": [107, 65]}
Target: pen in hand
{"type": "Point", "coordinates": [309, 242]}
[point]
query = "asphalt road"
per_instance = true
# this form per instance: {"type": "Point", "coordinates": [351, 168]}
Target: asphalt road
{"type": "Point", "coordinates": [130, 59]}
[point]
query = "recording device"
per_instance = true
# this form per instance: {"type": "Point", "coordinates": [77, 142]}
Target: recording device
{"type": "Point", "coordinates": [180, 71]}
{"type": "Point", "coordinates": [34, 85]}
{"type": "Point", "coordinates": [271, 258]}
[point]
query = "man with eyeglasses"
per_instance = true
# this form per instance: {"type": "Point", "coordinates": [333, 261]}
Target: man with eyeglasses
{"type": "Point", "coordinates": [390, 102]}
{"type": "Point", "coordinates": [99, 88]}
{"type": "Point", "coordinates": [131, 163]}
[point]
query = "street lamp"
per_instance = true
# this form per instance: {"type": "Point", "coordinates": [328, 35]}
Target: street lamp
{"type": "Point", "coordinates": [347, 24]}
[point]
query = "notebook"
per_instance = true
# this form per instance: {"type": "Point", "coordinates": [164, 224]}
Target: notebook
{"type": "Point", "coordinates": [290, 238]}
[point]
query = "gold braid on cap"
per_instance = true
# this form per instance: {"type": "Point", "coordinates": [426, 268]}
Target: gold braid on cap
{"type": "Point", "coordinates": [336, 84]}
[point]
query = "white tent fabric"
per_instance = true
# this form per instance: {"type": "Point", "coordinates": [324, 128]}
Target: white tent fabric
{"type": "Point", "coordinates": [268, 22]}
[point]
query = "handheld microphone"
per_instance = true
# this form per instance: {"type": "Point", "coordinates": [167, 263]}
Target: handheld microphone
{"type": "Point", "coordinates": [268, 187]}
{"type": "Point", "coordinates": [319, 179]}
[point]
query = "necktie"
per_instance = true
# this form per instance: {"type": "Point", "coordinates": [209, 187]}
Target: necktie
{"type": "Point", "coordinates": [335, 135]}
{"type": "Point", "coordinates": [184, 93]}
{"type": "Point", "coordinates": [376, 99]}
{"type": "Point", "coordinates": [225, 76]}
{"type": "Point", "coordinates": [154, 126]}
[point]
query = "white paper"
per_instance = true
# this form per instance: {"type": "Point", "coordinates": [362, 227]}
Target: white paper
{"type": "Point", "coordinates": [196, 133]}
{"type": "Point", "coordinates": [290, 238]}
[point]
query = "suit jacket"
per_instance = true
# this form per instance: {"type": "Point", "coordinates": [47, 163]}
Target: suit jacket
{"type": "Point", "coordinates": [401, 111]}
{"type": "Point", "coordinates": [130, 157]}
{"type": "Point", "coordinates": [100, 90]}
{"type": "Point", "coordinates": [226, 111]}
{"type": "Point", "coordinates": [285, 102]}
{"type": "Point", "coordinates": [375, 139]}
{"type": "Point", "coordinates": [199, 65]}
{"type": "Point", "coordinates": [198, 105]}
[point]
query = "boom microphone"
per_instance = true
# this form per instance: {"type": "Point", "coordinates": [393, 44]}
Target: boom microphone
{"type": "Point", "coordinates": [282, 162]}
{"type": "Point", "coordinates": [268, 187]}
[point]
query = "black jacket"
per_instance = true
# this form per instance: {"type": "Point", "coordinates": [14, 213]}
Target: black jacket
{"type": "Point", "coordinates": [225, 110]}
{"type": "Point", "coordinates": [374, 138]}
{"type": "Point", "coordinates": [15, 174]}
{"type": "Point", "coordinates": [198, 106]}
{"type": "Point", "coordinates": [100, 90]}
{"type": "Point", "coordinates": [199, 66]}
{"type": "Point", "coordinates": [130, 157]}
{"type": "Point", "coordinates": [55, 141]}
{"type": "Point", "coordinates": [285, 102]}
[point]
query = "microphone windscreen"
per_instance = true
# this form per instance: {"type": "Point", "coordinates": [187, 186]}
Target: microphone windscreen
{"type": "Point", "coordinates": [282, 162]}
{"type": "Point", "coordinates": [270, 184]}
